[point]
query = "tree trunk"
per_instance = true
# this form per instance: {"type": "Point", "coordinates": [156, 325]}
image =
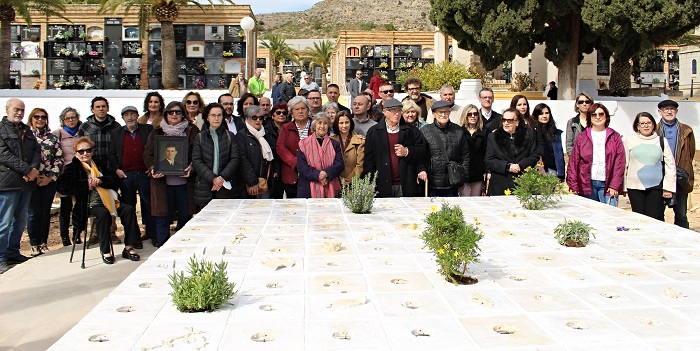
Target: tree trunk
{"type": "Point", "coordinates": [620, 72]}
{"type": "Point", "coordinates": [5, 58]}
{"type": "Point", "coordinates": [143, 79]}
{"type": "Point", "coordinates": [167, 52]}
{"type": "Point", "coordinates": [324, 80]}
{"type": "Point", "coordinates": [568, 68]}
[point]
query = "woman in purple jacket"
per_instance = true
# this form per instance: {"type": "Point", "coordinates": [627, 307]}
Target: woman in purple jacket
{"type": "Point", "coordinates": [597, 162]}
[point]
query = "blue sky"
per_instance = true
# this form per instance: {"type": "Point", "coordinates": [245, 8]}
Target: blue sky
{"type": "Point", "coordinates": [268, 6]}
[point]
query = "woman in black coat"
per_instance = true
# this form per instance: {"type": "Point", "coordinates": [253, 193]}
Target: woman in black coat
{"type": "Point", "coordinates": [257, 154]}
{"type": "Point", "coordinates": [509, 151]}
{"type": "Point", "coordinates": [212, 183]}
{"type": "Point", "coordinates": [93, 186]}
{"type": "Point", "coordinates": [470, 119]}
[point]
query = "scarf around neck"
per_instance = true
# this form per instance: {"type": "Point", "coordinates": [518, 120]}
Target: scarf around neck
{"type": "Point", "coordinates": [264, 146]}
{"type": "Point", "coordinates": [108, 196]}
{"type": "Point", "coordinates": [320, 157]}
{"type": "Point", "coordinates": [175, 130]}
{"type": "Point", "coordinates": [71, 131]}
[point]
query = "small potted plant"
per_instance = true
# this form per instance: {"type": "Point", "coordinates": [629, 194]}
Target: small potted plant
{"type": "Point", "coordinates": [573, 233]}
{"type": "Point", "coordinates": [453, 241]}
{"type": "Point", "coordinates": [537, 191]}
{"type": "Point", "coordinates": [199, 83]}
{"type": "Point", "coordinates": [206, 288]}
{"type": "Point", "coordinates": [359, 195]}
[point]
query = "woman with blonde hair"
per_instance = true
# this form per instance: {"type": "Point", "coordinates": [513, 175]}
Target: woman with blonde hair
{"type": "Point", "coordinates": [470, 119]}
{"type": "Point", "coordinates": [194, 106]}
{"type": "Point", "coordinates": [411, 114]}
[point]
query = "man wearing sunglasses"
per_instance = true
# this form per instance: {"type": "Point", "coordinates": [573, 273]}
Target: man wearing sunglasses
{"type": "Point", "coordinates": [126, 154]}
{"type": "Point", "coordinates": [386, 92]}
{"type": "Point", "coordinates": [20, 163]}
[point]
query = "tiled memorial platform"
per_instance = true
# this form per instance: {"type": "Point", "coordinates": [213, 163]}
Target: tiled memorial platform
{"type": "Point", "coordinates": [311, 275]}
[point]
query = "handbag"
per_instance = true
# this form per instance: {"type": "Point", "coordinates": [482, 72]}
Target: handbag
{"type": "Point", "coordinates": [455, 173]}
{"type": "Point", "coordinates": [540, 167]}
{"type": "Point", "coordinates": [262, 182]}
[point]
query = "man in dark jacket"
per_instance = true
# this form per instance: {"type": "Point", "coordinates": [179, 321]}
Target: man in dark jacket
{"type": "Point", "coordinates": [395, 150]}
{"type": "Point", "coordinates": [98, 128]}
{"type": "Point", "coordinates": [126, 155]}
{"type": "Point", "coordinates": [287, 91]}
{"type": "Point", "coordinates": [446, 144]}
{"type": "Point", "coordinates": [413, 87]}
{"type": "Point", "coordinates": [19, 162]}
{"type": "Point", "coordinates": [491, 118]}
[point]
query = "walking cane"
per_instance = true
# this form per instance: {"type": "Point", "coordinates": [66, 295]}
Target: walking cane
{"type": "Point", "coordinates": [426, 188]}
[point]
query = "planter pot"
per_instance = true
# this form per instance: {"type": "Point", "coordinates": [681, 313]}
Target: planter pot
{"type": "Point", "coordinates": [468, 88]}
{"type": "Point", "coordinates": [571, 243]}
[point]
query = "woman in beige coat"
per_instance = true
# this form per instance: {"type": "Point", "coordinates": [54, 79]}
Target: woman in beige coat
{"type": "Point", "coordinates": [351, 144]}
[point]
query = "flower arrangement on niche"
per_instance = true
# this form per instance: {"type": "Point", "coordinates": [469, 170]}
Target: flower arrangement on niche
{"type": "Point", "coordinates": [81, 53]}
{"type": "Point", "coordinates": [203, 67]}
{"type": "Point", "coordinates": [216, 36]}
{"type": "Point", "coordinates": [139, 51]}
{"type": "Point", "coordinates": [222, 82]}
{"type": "Point", "coordinates": [58, 85]}
{"type": "Point", "coordinates": [37, 51]}
{"type": "Point", "coordinates": [14, 69]}
{"type": "Point", "coordinates": [64, 52]}
{"type": "Point", "coordinates": [101, 66]}
{"type": "Point", "coordinates": [183, 67]}
{"type": "Point", "coordinates": [383, 65]}
{"type": "Point", "coordinates": [385, 54]}
{"type": "Point", "coordinates": [228, 54]}
{"type": "Point", "coordinates": [83, 35]}
{"type": "Point", "coordinates": [408, 51]}
{"type": "Point", "coordinates": [199, 83]}
{"type": "Point", "coordinates": [221, 68]}
{"type": "Point", "coordinates": [89, 86]}
{"type": "Point", "coordinates": [17, 50]}
{"type": "Point", "coordinates": [123, 68]}
{"type": "Point", "coordinates": [93, 53]}
{"type": "Point", "coordinates": [65, 35]}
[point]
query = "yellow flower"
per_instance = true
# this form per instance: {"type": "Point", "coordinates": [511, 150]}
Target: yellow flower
{"type": "Point", "coordinates": [528, 169]}
{"type": "Point", "coordinates": [415, 226]}
{"type": "Point", "coordinates": [445, 246]}
{"type": "Point", "coordinates": [507, 192]}
{"type": "Point", "coordinates": [456, 253]}
{"type": "Point", "coordinates": [433, 208]}
{"type": "Point", "coordinates": [476, 221]}
{"type": "Point", "coordinates": [441, 251]}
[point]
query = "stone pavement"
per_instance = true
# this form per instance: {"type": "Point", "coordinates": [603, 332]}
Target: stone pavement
{"type": "Point", "coordinates": [44, 297]}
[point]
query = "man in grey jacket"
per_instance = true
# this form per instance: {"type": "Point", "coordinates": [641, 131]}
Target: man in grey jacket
{"type": "Point", "coordinates": [19, 162]}
{"type": "Point", "coordinates": [356, 86]}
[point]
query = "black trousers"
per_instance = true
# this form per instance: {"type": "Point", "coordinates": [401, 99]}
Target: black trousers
{"type": "Point", "coordinates": [647, 202]}
{"type": "Point", "coordinates": [64, 215]}
{"type": "Point", "coordinates": [103, 223]}
{"type": "Point", "coordinates": [291, 190]}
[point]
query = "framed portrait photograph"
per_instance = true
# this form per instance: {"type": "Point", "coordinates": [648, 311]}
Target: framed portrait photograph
{"type": "Point", "coordinates": [170, 155]}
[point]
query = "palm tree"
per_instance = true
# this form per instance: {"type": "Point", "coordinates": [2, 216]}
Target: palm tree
{"type": "Point", "coordinates": [165, 12]}
{"type": "Point", "coordinates": [279, 50]}
{"type": "Point", "coordinates": [8, 12]}
{"type": "Point", "coordinates": [320, 56]}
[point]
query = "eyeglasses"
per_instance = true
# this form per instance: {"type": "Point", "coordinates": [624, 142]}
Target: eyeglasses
{"type": "Point", "coordinates": [472, 114]}
{"type": "Point", "coordinates": [84, 151]}
{"type": "Point", "coordinates": [441, 113]}
{"type": "Point", "coordinates": [215, 116]}
{"type": "Point", "coordinates": [281, 112]}
{"type": "Point", "coordinates": [40, 117]}
{"type": "Point", "coordinates": [256, 118]}
{"type": "Point", "coordinates": [173, 112]}
{"type": "Point", "coordinates": [192, 102]}
{"type": "Point", "coordinates": [70, 118]}
{"type": "Point", "coordinates": [509, 120]}
{"type": "Point", "coordinates": [644, 124]}
{"type": "Point", "coordinates": [587, 102]}
{"type": "Point", "coordinates": [391, 91]}
{"type": "Point", "coordinates": [413, 88]}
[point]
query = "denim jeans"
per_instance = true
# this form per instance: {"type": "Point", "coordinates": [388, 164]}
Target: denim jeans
{"type": "Point", "coordinates": [39, 214]}
{"type": "Point", "coordinates": [680, 211]}
{"type": "Point", "coordinates": [14, 205]}
{"type": "Point", "coordinates": [598, 193]}
{"type": "Point", "coordinates": [177, 198]}
{"type": "Point", "coordinates": [139, 181]}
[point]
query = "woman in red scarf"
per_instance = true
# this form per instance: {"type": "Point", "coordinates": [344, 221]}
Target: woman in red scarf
{"type": "Point", "coordinates": [319, 162]}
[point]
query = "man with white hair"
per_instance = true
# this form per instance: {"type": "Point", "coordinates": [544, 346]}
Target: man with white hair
{"type": "Point", "coordinates": [256, 85]}
{"type": "Point", "coordinates": [20, 162]}
{"type": "Point", "coordinates": [447, 93]}
{"type": "Point", "coordinates": [287, 91]}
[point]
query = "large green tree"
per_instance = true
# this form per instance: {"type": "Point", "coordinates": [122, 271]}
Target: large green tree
{"type": "Point", "coordinates": [499, 30]}
{"type": "Point", "coordinates": [166, 12]}
{"type": "Point", "coordinates": [279, 49]}
{"type": "Point", "coordinates": [320, 56]}
{"type": "Point", "coordinates": [8, 12]}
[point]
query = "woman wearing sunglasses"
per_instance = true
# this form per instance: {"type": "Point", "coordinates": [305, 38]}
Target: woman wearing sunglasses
{"type": "Point", "coordinates": [597, 161]}
{"type": "Point", "coordinates": [470, 119]}
{"type": "Point", "coordinates": [272, 127]}
{"type": "Point", "coordinates": [577, 123]}
{"type": "Point", "coordinates": [93, 186]}
{"type": "Point", "coordinates": [257, 154]}
{"type": "Point", "coordinates": [169, 192]}
{"type": "Point", "coordinates": [194, 106]}
{"type": "Point", "coordinates": [39, 217]}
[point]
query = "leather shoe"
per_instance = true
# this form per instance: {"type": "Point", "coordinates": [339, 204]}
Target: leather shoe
{"type": "Point", "coordinates": [4, 267]}
{"type": "Point", "coordinates": [17, 259]}
{"type": "Point", "coordinates": [108, 259]}
{"type": "Point", "coordinates": [138, 245]}
{"type": "Point", "coordinates": [132, 256]}
{"type": "Point", "coordinates": [66, 241]}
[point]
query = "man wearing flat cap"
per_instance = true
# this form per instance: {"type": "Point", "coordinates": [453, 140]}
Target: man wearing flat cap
{"type": "Point", "coordinates": [446, 147]}
{"type": "Point", "coordinates": [395, 150]}
{"type": "Point", "coordinates": [126, 155]}
{"type": "Point", "coordinates": [682, 141]}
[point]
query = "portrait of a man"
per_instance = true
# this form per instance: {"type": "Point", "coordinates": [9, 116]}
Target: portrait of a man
{"type": "Point", "coordinates": [168, 163]}
{"type": "Point", "coordinates": [171, 155]}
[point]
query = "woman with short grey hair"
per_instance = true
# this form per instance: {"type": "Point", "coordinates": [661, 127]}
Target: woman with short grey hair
{"type": "Point", "coordinates": [257, 154]}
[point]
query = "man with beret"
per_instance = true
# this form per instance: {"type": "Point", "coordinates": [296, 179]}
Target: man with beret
{"type": "Point", "coordinates": [682, 141]}
{"type": "Point", "coordinates": [446, 144]}
{"type": "Point", "coordinates": [395, 150]}
{"type": "Point", "coordinates": [20, 163]}
{"type": "Point", "coordinates": [126, 155]}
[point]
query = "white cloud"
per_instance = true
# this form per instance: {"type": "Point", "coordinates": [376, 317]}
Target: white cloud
{"type": "Point", "coordinates": [269, 6]}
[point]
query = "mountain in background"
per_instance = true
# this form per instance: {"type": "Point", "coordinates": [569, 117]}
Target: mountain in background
{"type": "Point", "coordinates": [326, 18]}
